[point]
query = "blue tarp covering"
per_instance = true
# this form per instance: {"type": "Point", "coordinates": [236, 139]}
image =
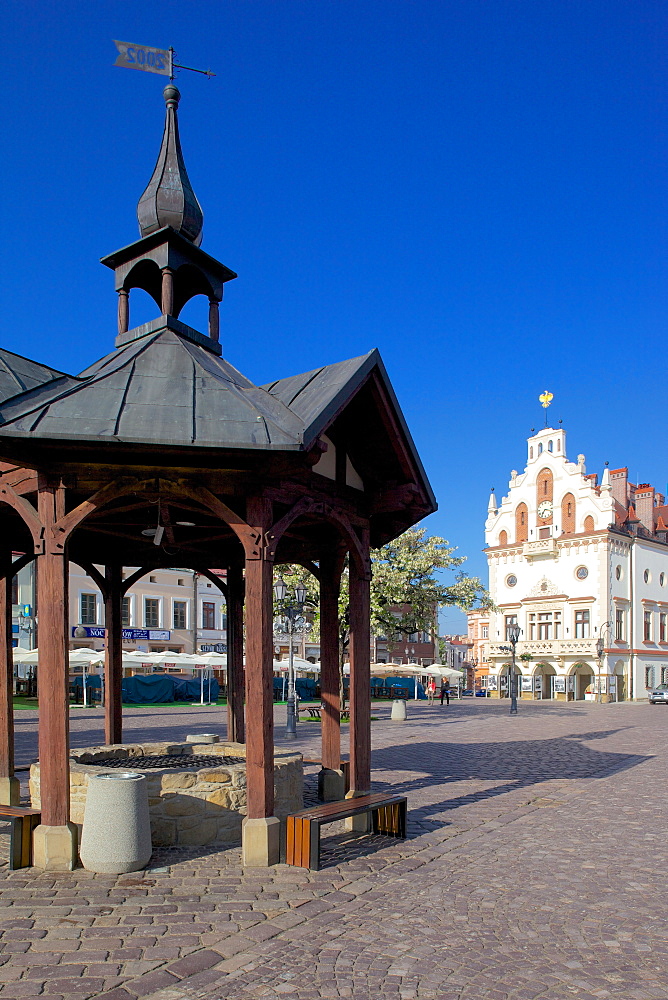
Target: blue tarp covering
{"type": "Point", "coordinates": [151, 689]}
{"type": "Point", "coordinates": [92, 681]}
{"type": "Point", "coordinates": [147, 690]}
{"type": "Point", "coordinates": [304, 686]}
{"type": "Point", "coordinates": [190, 689]}
{"type": "Point", "coordinates": [408, 683]}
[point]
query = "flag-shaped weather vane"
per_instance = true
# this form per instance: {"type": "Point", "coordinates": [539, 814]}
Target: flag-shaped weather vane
{"type": "Point", "coordinates": [545, 399]}
{"type": "Point", "coordinates": [151, 60]}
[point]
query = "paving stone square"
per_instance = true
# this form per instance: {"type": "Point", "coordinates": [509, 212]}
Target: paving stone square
{"type": "Point", "coordinates": [533, 870]}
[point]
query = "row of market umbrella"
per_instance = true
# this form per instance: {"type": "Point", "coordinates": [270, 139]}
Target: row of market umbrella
{"type": "Point", "coordinates": [134, 658]}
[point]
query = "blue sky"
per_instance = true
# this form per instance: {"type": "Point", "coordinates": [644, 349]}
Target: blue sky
{"type": "Point", "coordinates": [477, 188]}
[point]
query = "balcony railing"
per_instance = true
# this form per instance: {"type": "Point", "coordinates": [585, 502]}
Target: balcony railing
{"type": "Point", "coordinates": [541, 547]}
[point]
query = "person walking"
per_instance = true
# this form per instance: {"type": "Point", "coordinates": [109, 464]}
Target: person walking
{"type": "Point", "coordinates": [445, 691]}
{"type": "Point", "coordinates": [431, 690]}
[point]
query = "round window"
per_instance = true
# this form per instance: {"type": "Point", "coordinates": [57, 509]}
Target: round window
{"type": "Point", "coordinates": [582, 572]}
{"type": "Point", "coordinates": [618, 572]}
{"type": "Point", "coordinates": [511, 580]}
{"type": "Point", "coordinates": [647, 576]}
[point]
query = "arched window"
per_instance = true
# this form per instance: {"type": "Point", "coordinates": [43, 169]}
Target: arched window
{"type": "Point", "coordinates": [540, 449]}
{"type": "Point", "coordinates": [568, 514]}
{"type": "Point", "coordinates": [589, 523]}
{"type": "Point", "coordinates": [549, 446]}
{"type": "Point", "coordinates": [558, 445]}
{"type": "Point", "coordinates": [530, 452]}
{"type": "Point", "coordinates": [521, 523]}
{"type": "Point", "coordinates": [503, 538]}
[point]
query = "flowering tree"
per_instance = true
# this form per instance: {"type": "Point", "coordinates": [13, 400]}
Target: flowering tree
{"type": "Point", "coordinates": [406, 591]}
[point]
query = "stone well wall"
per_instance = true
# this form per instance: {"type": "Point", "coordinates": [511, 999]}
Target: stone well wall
{"type": "Point", "coordinates": [193, 808]}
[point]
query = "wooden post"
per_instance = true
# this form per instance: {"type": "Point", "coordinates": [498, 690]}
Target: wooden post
{"type": "Point", "coordinates": [167, 291]}
{"type": "Point", "coordinates": [123, 310]}
{"type": "Point", "coordinates": [113, 657]}
{"type": "Point", "coordinates": [235, 655]}
{"type": "Point", "coordinates": [360, 679]}
{"type": "Point", "coordinates": [330, 781]}
{"type": "Point", "coordinates": [261, 828]}
{"type": "Point", "coordinates": [10, 789]}
{"type": "Point", "coordinates": [214, 320]}
{"type": "Point", "coordinates": [53, 678]}
{"type": "Point", "coordinates": [55, 838]}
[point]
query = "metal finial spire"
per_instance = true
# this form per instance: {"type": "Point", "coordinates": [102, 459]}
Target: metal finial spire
{"type": "Point", "coordinates": [169, 199]}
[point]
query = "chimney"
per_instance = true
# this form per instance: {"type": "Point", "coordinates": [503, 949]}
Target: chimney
{"type": "Point", "coordinates": [619, 481]}
{"type": "Point", "coordinates": [644, 504]}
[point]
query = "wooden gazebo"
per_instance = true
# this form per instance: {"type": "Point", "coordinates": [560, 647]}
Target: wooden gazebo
{"type": "Point", "coordinates": [164, 433]}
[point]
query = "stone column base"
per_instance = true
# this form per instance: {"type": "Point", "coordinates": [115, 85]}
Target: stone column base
{"type": "Point", "coordinates": [54, 848]}
{"type": "Point", "coordinates": [362, 822]}
{"type": "Point", "coordinates": [331, 785]}
{"type": "Point", "coordinates": [10, 791]}
{"type": "Point", "coordinates": [260, 842]}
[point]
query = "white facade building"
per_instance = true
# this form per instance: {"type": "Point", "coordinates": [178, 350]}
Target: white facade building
{"type": "Point", "coordinates": [572, 561]}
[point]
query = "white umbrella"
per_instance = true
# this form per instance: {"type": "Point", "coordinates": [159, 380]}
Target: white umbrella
{"type": "Point", "coordinates": [207, 659]}
{"type": "Point", "coordinates": [396, 669]}
{"type": "Point", "coordinates": [76, 656]}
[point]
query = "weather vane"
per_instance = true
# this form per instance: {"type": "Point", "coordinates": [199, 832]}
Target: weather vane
{"type": "Point", "coordinates": [545, 400]}
{"type": "Point", "coordinates": [151, 60]}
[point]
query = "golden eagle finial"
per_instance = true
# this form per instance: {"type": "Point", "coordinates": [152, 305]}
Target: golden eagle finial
{"type": "Point", "coordinates": [546, 398]}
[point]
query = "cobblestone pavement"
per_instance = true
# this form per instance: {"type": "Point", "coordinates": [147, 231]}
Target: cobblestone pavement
{"type": "Point", "coordinates": [534, 870]}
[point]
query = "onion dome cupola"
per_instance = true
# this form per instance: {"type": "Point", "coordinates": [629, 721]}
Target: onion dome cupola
{"type": "Point", "coordinates": [169, 199]}
{"type": "Point", "coordinates": [167, 261]}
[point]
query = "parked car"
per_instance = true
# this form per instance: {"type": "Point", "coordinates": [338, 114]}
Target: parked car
{"type": "Point", "coordinates": [468, 693]}
{"type": "Point", "coordinates": [481, 693]}
{"type": "Point", "coordinates": [659, 696]}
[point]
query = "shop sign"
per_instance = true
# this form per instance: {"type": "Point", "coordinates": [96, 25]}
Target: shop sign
{"type": "Point", "coordinates": [129, 634]}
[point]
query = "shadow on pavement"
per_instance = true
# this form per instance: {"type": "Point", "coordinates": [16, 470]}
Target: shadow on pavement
{"type": "Point", "coordinates": [517, 765]}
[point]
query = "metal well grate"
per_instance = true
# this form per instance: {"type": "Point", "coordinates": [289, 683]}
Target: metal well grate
{"type": "Point", "coordinates": [184, 762]}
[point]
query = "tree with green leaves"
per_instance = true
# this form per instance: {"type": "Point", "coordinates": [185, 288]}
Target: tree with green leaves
{"type": "Point", "coordinates": [406, 591]}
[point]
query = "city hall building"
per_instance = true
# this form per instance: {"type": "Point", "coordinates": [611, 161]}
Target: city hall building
{"type": "Point", "coordinates": [573, 561]}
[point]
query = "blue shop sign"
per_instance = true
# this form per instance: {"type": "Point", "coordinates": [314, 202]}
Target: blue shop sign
{"type": "Point", "coordinates": [144, 634]}
{"type": "Point", "coordinates": [92, 631]}
{"type": "Point", "coordinates": [129, 634]}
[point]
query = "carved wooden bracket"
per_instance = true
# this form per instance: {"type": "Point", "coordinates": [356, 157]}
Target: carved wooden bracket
{"type": "Point", "coordinates": [27, 513]}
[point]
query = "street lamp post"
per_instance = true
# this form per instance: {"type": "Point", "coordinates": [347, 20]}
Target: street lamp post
{"type": "Point", "coordinates": [291, 623]}
{"type": "Point", "coordinates": [600, 649]}
{"type": "Point", "coordinates": [513, 635]}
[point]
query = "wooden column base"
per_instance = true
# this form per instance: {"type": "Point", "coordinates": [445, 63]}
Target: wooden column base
{"type": "Point", "coordinates": [261, 842]}
{"type": "Point", "coordinates": [55, 847]}
{"type": "Point", "coordinates": [10, 791]}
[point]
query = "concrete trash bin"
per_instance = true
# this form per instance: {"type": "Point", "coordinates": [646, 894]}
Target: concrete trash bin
{"type": "Point", "coordinates": [398, 710]}
{"type": "Point", "coordinates": [116, 834]}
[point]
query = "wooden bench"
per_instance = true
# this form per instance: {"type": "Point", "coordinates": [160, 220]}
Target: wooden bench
{"type": "Point", "coordinates": [303, 828]}
{"type": "Point", "coordinates": [23, 822]}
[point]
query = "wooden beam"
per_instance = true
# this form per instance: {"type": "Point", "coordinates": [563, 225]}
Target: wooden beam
{"type": "Point", "coordinates": [53, 664]}
{"type": "Point", "coordinates": [6, 679]}
{"type": "Point", "coordinates": [113, 657]}
{"type": "Point", "coordinates": [236, 729]}
{"type": "Point", "coordinates": [330, 585]}
{"type": "Point", "coordinates": [259, 669]}
{"type": "Point", "coordinates": [360, 680]}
